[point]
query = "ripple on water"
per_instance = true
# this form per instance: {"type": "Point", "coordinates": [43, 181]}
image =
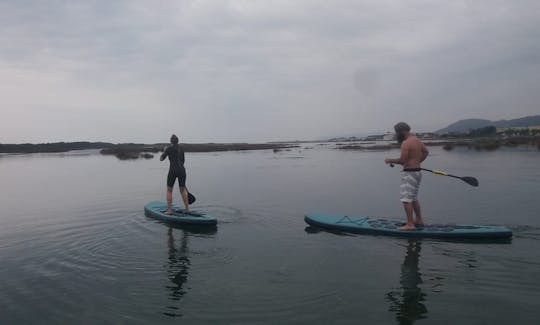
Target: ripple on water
{"type": "Point", "coordinates": [486, 268]}
{"type": "Point", "coordinates": [224, 214]}
{"type": "Point", "coordinates": [211, 275]}
{"type": "Point", "coordinates": [81, 257]}
{"type": "Point", "coordinates": [283, 301]}
{"type": "Point", "coordinates": [525, 232]}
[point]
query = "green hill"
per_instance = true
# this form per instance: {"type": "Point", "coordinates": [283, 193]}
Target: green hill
{"type": "Point", "coordinates": [471, 124]}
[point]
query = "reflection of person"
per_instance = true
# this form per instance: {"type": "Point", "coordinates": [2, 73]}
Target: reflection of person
{"type": "Point", "coordinates": [410, 307]}
{"type": "Point", "coordinates": [178, 269]}
{"type": "Point", "coordinates": [413, 153]}
{"type": "Point", "coordinates": [176, 170]}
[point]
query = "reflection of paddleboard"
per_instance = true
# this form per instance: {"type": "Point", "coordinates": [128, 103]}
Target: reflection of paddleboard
{"type": "Point", "coordinates": [390, 227]}
{"type": "Point", "coordinates": [157, 211]}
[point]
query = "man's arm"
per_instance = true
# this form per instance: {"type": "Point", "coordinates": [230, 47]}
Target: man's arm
{"type": "Point", "coordinates": [164, 155]}
{"type": "Point", "coordinates": [403, 158]}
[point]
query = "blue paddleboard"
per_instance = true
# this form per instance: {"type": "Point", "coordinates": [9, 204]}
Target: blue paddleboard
{"type": "Point", "coordinates": [377, 226]}
{"type": "Point", "coordinates": [157, 209]}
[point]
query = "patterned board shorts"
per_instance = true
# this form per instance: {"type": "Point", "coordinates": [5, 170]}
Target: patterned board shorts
{"type": "Point", "coordinates": [410, 184]}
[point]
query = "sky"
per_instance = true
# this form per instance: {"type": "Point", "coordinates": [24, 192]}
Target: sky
{"type": "Point", "coordinates": [257, 71]}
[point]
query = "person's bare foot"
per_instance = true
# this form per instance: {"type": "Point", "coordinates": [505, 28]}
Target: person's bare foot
{"type": "Point", "coordinates": [407, 227]}
{"type": "Point", "coordinates": [419, 222]}
{"type": "Point", "coordinates": [169, 211]}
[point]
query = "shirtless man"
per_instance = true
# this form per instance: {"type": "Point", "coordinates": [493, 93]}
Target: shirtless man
{"type": "Point", "coordinates": [413, 153]}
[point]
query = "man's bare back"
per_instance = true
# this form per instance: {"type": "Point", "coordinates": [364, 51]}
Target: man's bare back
{"type": "Point", "coordinates": [413, 152]}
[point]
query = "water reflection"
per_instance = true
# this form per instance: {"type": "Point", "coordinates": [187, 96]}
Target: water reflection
{"type": "Point", "coordinates": [178, 265]}
{"type": "Point", "coordinates": [408, 304]}
{"type": "Point", "coordinates": [177, 271]}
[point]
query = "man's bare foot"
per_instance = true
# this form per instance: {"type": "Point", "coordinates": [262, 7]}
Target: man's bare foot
{"type": "Point", "coordinates": [407, 227]}
{"type": "Point", "coordinates": [169, 211]}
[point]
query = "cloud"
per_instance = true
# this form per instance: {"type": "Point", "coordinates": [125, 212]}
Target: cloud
{"type": "Point", "coordinates": [260, 70]}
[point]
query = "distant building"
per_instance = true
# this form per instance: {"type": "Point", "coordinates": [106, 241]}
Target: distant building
{"type": "Point", "coordinates": [427, 135]}
{"type": "Point", "coordinates": [518, 128]}
{"type": "Point", "coordinates": [388, 136]}
{"type": "Point", "coordinates": [377, 137]}
{"type": "Point", "coordinates": [344, 139]}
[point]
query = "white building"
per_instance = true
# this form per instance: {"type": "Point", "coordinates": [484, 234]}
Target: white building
{"type": "Point", "coordinates": [389, 136]}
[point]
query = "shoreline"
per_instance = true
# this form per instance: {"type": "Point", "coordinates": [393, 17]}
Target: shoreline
{"type": "Point", "coordinates": [126, 151]}
{"type": "Point", "coordinates": [478, 144]}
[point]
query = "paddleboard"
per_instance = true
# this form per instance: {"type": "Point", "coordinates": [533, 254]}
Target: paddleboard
{"type": "Point", "coordinates": [157, 209]}
{"type": "Point", "coordinates": [378, 226]}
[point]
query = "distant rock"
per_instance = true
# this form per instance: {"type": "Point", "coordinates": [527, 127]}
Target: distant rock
{"type": "Point", "coordinates": [129, 151]}
{"type": "Point", "coordinates": [52, 147]}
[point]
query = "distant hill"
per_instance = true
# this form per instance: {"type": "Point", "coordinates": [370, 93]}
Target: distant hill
{"type": "Point", "coordinates": [468, 124]}
{"type": "Point", "coordinates": [518, 122]}
{"type": "Point", "coordinates": [465, 125]}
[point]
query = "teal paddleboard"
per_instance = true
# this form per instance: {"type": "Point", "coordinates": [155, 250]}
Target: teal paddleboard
{"type": "Point", "coordinates": [369, 225]}
{"type": "Point", "coordinates": [157, 209]}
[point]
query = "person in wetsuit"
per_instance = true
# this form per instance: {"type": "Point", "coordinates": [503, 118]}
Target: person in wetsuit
{"type": "Point", "coordinates": [176, 170]}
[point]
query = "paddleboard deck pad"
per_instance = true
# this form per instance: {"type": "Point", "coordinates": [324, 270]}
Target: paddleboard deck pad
{"type": "Point", "coordinates": [369, 225]}
{"type": "Point", "coordinates": [157, 209]}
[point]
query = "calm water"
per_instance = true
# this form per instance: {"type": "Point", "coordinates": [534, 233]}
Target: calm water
{"type": "Point", "coordinates": [75, 246]}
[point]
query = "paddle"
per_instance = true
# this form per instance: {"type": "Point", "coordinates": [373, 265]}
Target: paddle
{"type": "Point", "coordinates": [467, 179]}
{"type": "Point", "coordinates": [191, 198]}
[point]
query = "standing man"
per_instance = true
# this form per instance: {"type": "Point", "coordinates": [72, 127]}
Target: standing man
{"type": "Point", "coordinates": [413, 153]}
{"type": "Point", "coordinates": [176, 170]}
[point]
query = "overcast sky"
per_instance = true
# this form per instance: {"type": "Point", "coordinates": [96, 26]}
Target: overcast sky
{"type": "Point", "coordinates": [260, 70]}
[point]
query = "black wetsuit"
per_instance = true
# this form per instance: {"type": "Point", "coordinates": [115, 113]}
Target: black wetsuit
{"type": "Point", "coordinates": [176, 169]}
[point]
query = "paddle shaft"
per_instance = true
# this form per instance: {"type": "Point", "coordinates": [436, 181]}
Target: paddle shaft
{"type": "Point", "coordinates": [467, 179]}
{"type": "Point", "coordinates": [438, 172]}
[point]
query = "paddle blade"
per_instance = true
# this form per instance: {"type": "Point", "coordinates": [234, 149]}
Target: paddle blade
{"type": "Point", "coordinates": [470, 180]}
{"type": "Point", "coordinates": [191, 198]}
